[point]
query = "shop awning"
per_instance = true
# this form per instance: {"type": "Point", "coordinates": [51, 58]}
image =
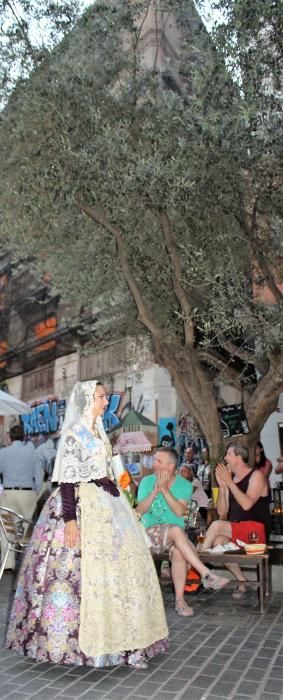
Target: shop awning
{"type": "Point", "coordinates": [134, 441]}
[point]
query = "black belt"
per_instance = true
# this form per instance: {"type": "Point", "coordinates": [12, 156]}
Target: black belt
{"type": "Point", "coordinates": [18, 488]}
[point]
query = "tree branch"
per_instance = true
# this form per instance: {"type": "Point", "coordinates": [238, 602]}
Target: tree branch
{"type": "Point", "coordinates": [244, 355]}
{"type": "Point", "coordinates": [177, 276]}
{"type": "Point", "coordinates": [262, 259]}
{"type": "Point", "coordinates": [21, 26]}
{"type": "Point", "coordinates": [143, 313]}
{"type": "Point", "coordinates": [140, 28]}
{"type": "Point", "coordinates": [258, 252]}
{"type": "Point", "coordinates": [264, 399]}
{"type": "Point", "coordinates": [227, 373]}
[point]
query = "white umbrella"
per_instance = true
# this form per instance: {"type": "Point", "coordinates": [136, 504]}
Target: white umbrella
{"type": "Point", "coordinates": [10, 406]}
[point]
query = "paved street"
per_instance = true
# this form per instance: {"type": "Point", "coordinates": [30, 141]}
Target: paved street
{"type": "Point", "coordinates": [227, 650]}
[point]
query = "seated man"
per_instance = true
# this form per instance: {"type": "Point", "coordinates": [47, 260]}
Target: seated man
{"type": "Point", "coordinates": [191, 459]}
{"type": "Point", "coordinates": [199, 494]}
{"type": "Point", "coordinates": [162, 502]}
{"type": "Point", "coordinates": [242, 505]}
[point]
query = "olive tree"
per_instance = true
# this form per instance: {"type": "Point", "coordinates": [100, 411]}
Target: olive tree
{"type": "Point", "coordinates": [152, 189]}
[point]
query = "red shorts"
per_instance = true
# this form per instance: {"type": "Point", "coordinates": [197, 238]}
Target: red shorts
{"type": "Point", "coordinates": [241, 531]}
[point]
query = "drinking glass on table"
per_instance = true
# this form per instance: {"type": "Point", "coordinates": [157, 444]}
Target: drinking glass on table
{"type": "Point", "coordinates": [200, 533]}
{"type": "Point", "coordinates": [253, 537]}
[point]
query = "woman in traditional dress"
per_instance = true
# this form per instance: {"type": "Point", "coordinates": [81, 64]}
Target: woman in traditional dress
{"type": "Point", "coordinates": [88, 592]}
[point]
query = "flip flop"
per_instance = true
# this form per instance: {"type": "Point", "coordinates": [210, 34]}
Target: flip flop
{"type": "Point", "coordinates": [184, 610]}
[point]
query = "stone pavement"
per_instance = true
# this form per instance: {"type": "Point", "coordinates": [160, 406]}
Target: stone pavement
{"type": "Point", "coordinates": [226, 651]}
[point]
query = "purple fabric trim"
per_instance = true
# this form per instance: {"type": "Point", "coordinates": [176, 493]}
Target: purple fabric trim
{"type": "Point", "coordinates": [68, 502]}
{"type": "Point", "coordinates": [107, 485]}
{"type": "Point", "coordinates": [40, 627]}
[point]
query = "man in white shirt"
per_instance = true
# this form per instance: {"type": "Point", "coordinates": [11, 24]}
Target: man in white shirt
{"type": "Point", "coordinates": [199, 494]}
{"type": "Point", "coordinates": [22, 478]}
{"type": "Point", "coordinates": [45, 455]}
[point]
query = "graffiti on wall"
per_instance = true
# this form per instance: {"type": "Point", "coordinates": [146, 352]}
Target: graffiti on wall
{"type": "Point", "coordinates": [189, 435]}
{"type": "Point", "coordinates": [111, 417]}
{"type": "Point", "coordinates": [118, 407]}
{"type": "Point", "coordinates": [46, 417]}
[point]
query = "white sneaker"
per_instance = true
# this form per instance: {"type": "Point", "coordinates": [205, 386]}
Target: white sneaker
{"type": "Point", "coordinates": [218, 549]}
{"type": "Point", "coordinates": [222, 548]}
{"type": "Point", "coordinates": [230, 547]}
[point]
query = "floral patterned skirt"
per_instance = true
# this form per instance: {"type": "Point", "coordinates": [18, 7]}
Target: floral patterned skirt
{"type": "Point", "coordinates": [45, 618]}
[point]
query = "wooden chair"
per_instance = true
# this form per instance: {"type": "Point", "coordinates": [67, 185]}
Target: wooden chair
{"type": "Point", "coordinates": [15, 531]}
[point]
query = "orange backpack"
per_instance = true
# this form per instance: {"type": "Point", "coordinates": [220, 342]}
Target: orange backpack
{"type": "Point", "coordinates": [194, 576]}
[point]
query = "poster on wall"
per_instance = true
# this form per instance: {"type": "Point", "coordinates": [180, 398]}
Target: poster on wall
{"type": "Point", "coordinates": [233, 420]}
{"type": "Point", "coordinates": [167, 432]}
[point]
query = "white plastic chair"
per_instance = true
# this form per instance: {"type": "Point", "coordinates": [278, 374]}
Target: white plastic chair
{"type": "Point", "coordinates": [16, 531]}
{"type": "Point", "coordinates": [191, 515]}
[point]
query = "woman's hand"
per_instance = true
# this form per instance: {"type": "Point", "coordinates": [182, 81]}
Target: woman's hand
{"type": "Point", "coordinates": [71, 534]}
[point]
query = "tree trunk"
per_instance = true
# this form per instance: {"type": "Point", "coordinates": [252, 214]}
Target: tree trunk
{"type": "Point", "coordinates": [264, 399]}
{"type": "Point", "coordinates": [194, 388]}
{"type": "Point", "coordinates": [192, 382]}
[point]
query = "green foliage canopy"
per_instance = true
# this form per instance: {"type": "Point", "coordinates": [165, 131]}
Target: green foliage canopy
{"type": "Point", "coordinates": [157, 189]}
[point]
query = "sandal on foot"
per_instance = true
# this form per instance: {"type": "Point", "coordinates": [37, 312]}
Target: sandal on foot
{"type": "Point", "coordinates": [239, 593]}
{"type": "Point", "coordinates": [214, 582]}
{"type": "Point", "coordinates": [183, 609]}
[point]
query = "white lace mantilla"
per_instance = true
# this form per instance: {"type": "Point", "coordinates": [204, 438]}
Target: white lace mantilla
{"type": "Point", "coordinates": [84, 456]}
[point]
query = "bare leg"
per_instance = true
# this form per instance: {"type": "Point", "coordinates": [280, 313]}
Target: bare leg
{"type": "Point", "coordinates": [220, 532]}
{"type": "Point", "coordinates": [177, 537]}
{"type": "Point", "coordinates": [221, 540]}
{"type": "Point", "coordinates": [239, 575]}
{"type": "Point", "coordinates": [217, 529]}
{"type": "Point", "coordinates": [179, 575]}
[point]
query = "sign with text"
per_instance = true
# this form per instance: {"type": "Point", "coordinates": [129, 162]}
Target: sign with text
{"type": "Point", "coordinates": [233, 420]}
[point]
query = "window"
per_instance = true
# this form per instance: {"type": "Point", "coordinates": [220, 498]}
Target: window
{"type": "Point", "coordinates": [38, 383]}
{"type": "Point", "coordinates": [42, 330]}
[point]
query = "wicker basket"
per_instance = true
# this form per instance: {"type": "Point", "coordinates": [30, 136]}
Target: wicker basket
{"type": "Point", "coordinates": [255, 548]}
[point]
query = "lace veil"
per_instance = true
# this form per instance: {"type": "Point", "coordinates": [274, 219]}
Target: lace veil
{"type": "Point", "coordinates": [79, 416]}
